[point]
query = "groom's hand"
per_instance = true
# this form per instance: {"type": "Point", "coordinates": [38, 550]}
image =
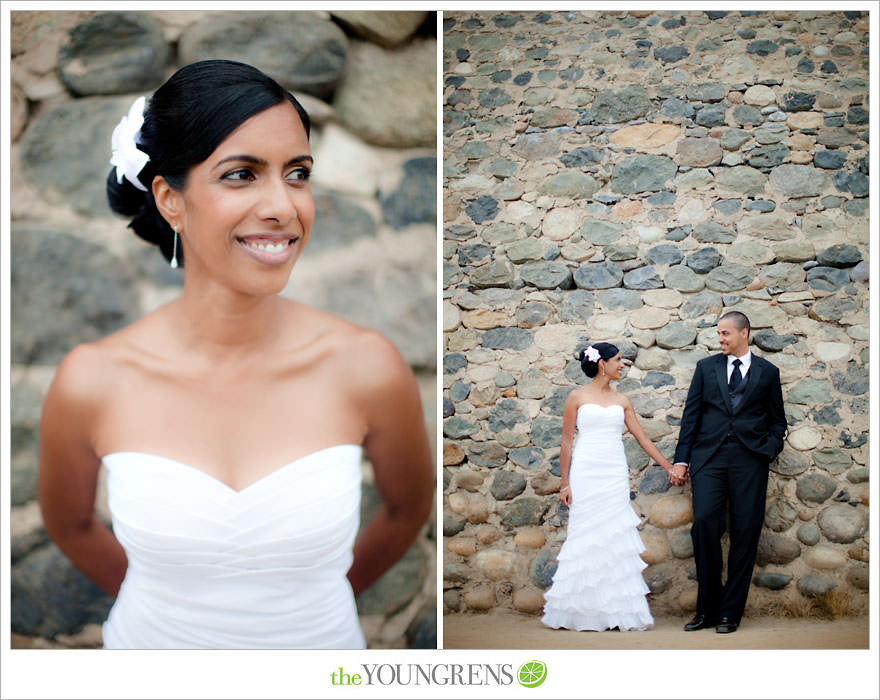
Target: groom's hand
{"type": "Point", "coordinates": [678, 475]}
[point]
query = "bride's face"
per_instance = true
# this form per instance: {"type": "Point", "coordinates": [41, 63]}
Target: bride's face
{"type": "Point", "coordinates": [246, 212]}
{"type": "Point", "coordinates": [614, 367]}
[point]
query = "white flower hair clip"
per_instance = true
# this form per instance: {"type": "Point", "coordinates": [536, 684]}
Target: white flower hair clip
{"type": "Point", "coordinates": [127, 158]}
{"type": "Point", "coordinates": [592, 354]}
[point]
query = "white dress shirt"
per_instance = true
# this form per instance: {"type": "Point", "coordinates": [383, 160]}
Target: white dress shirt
{"type": "Point", "coordinates": [743, 368]}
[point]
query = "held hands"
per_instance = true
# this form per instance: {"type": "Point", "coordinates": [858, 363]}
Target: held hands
{"type": "Point", "coordinates": [677, 473]}
{"type": "Point", "coordinates": [565, 495]}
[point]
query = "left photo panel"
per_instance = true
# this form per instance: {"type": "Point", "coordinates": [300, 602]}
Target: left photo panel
{"type": "Point", "coordinates": [223, 343]}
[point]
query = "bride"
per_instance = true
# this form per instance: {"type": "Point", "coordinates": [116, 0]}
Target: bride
{"type": "Point", "coordinates": [598, 584]}
{"type": "Point", "coordinates": [231, 421]}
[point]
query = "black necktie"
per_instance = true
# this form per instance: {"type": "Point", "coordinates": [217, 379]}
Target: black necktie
{"type": "Point", "coordinates": [735, 376]}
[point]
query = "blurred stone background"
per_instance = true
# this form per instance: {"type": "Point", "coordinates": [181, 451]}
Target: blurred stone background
{"type": "Point", "coordinates": [368, 81]}
{"type": "Point", "coordinates": [628, 176]}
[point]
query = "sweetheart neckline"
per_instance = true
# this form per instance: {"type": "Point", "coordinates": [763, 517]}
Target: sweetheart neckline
{"type": "Point", "coordinates": [220, 482]}
{"type": "Point", "coordinates": [598, 405]}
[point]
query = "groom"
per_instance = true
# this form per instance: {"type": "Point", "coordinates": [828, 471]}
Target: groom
{"type": "Point", "coordinates": [732, 426]}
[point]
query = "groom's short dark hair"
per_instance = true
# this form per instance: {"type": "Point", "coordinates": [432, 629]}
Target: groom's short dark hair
{"type": "Point", "coordinates": [740, 320]}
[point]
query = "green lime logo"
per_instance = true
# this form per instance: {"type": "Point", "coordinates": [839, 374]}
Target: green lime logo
{"type": "Point", "coordinates": [531, 674]}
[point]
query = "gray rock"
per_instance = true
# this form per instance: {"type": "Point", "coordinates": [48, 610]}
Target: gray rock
{"type": "Point", "coordinates": [457, 427]}
{"type": "Point", "coordinates": [621, 106]}
{"type": "Point", "coordinates": [858, 576]}
{"type": "Point", "coordinates": [655, 481]}
{"type": "Point", "coordinates": [746, 114]}
{"type": "Point", "coordinates": [619, 298]}
{"type": "Point", "coordinates": [833, 308]}
{"type": "Point", "coordinates": [642, 173]}
{"type": "Point", "coordinates": [50, 597]}
{"type": "Point", "coordinates": [779, 515]}
{"type": "Point", "coordinates": [671, 54]}
{"type": "Point", "coordinates": [673, 107]}
{"type": "Point", "coordinates": [581, 157]}
{"type": "Point", "coordinates": [505, 415]}
{"type": "Point", "coordinates": [546, 432]}
{"type": "Point", "coordinates": [598, 275]}
{"type": "Point", "coordinates": [498, 273]}
{"type": "Point", "coordinates": [828, 279]}
{"type": "Point", "coordinates": [576, 306]}
{"type": "Point", "coordinates": [727, 207]}
{"type": "Point", "coordinates": [397, 586]}
{"type": "Point", "coordinates": [710, 232]}
{"type": "Point", "coordinates": [600, 232]}
{"type": "Point", "coordinates": [842, 523]}
{"type": "Point", "coordinates": [781, 275]}
{"type": "Point", "coordinates": [772, 342]}
{"type": "Point", "coordinates": [854, 382]}
{"type": "Point", "coordinates": [798, 101]}
{"type": "Point", "coordinates": [453, 362]}
{"type": "Point", "coordinates": [798, 180]}
{"type": "Point", "coordinates": [452, 525]}
{"type": "Point", "coordinates": [859, 475]}
{"type": "Point", "coordinates": [342, 222]}
{"type": "Point", "coordinates": [762, 47]}
{"type": "Point", "coordinates": [773, 581]}
{"type": "Point", "coordinates": [699, 152]}
{"type": "Point", "coordinates": [65, 291]}
{"type": "Point", "coordinates": [835, 136]}
{"type": "Point", "coordinates": [832, 459]}
{"type": "Point", "coordinates": [730, 277]}
{"type": "Point", "coordinates": [481, 209]}
{"type": "Point", "coordinates": [732, 139]}
{"type": "Point", "coordinates": [448, 407]}
{"type": "Point", "coordinates": [712, 115]}
{"type": "Point", "coordinates": [815, 488]}
{"type": "Point", "coordinates": [790, 463]}
{"type": "Point", "coordinates": [555, 403]}
{"type": "Point", "coordinates": [840, 255]}
{"type": "Point", "coordinates": [494, 98]}
{"type": "Point", "coordinates": [473, 253]}
{"type": "Point", "coordinates": [569, 183]}
{"type": "Point", "coordinates": [854, 182]}
{"type": "Point", "coordinates": [768, 156]}
{"type": "Point", "coordinates": [421, 633]}
{"type": "Point", "coordinates": [459, 391]}
{"type": "Point", "coordinates": [113, 53]}
{"type": "Point", "coordinates": [538, 145]}
{"type": "Point", "coordinates": [761, 206]}
{"type": "Point", "coordinates": [533, 313]}
{"type": "Point", "coordinates": [302, 51]}
{"type": "Point", "coordinates": [681, 545]}
{"type": "Point", "coordinates": [808, 534]}
{"type": "Point", "coordinates": [504, 380]}
{"type": "Point", "coordinates": [742, 178]}
{"type": "Point", "coordinates": [542, 569]}
{"type": "Point", "coordinates": [415, 199]}
{"type": "Point", "coordinates": [385, 29]}
{"type": "Point", "coordinates": [830, 160]}
{"type": "Point", "coordinates": [815, 586]}
{"type": "Point", "coordinates": [676, 334]}
{"type": "Point", "coordinates": [776, 549]}
{"type": "Point", "coordinates": [619, 252]}
{"type": "Point", "coordinates": [487, 454]}
{"type": "Point", "coordinates": [507, 485]}
{"type": "Point", "coordinates": [860, 273]}
{"type": "Point", "coordinates": [704, 260]}
{"type": "Point", "coordinates": [507, 338]}
{"type": "Point", "coordinates": [523, 511]}
{"type": "Point", "coordinates": [665, 254]}
{"type": "Point", "coordinates": [662, 199]}
{"type": "Point", "coordinates": [546, 275]}
{"type": "Point", "coordinates": [683, 279]}
{"type": "Point", "coordinates": [701, 304]}
{"type": "Point", "coordinates": [770, 133]}
{"type": "Point", "coordinates": [642, 278]}
{"type": "Point", "coordinates": [707, 92]}
{"type": "Point", "coordinates": [528, 457]}
{"type": "Point", "coordinates": [659, 577]}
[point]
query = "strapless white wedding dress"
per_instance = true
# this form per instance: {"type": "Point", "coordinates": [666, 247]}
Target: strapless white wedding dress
{"type": "Point", "coordinates": [210, 567]}
{"type": "Point", "coordinates": [598, 584]}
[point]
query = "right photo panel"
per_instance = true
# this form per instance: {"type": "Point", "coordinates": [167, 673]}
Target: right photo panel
{"type": "Point", "coordinates": [655, 329]}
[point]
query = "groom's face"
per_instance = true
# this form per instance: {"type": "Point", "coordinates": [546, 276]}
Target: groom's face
{"type": "Point", "coordinates": [733, 341]}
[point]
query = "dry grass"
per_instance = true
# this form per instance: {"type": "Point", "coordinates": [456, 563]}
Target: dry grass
{"type": "Point", "coordinates": [833, 605]}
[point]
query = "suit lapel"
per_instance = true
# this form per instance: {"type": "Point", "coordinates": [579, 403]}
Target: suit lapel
{"type": "Point", "coordinates": [721, 376]}
{"type": "Point", "coordinates": [754, 376]}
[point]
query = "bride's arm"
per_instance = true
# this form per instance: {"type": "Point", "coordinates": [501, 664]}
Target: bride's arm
{"type": "Point", "coordinates": [569, 415]}
{"type": "Point", "coordinates": [676, 474]}
{"type": "Point", "coordinates": [68, 475]}
{"type": "Point", "coordinates": [397, 446]}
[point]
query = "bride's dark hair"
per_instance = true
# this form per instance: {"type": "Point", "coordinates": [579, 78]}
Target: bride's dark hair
{"type": "Point", "coordinates": [184, 121]}
{"type": "Point", "coordinates": [606, 352]}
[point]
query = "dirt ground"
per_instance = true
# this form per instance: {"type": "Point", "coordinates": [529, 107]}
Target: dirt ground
{"type": "Point", "coordinates": [504, 629]}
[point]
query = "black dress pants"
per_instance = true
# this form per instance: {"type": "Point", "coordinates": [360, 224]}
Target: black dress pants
{"type": "Point", "coordinates": [735, 479]}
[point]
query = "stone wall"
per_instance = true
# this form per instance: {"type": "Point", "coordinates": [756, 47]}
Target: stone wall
{"type": "Point", "coordinates": [368, 81]}
{"type": "Point", "coordinates": [629, 176]}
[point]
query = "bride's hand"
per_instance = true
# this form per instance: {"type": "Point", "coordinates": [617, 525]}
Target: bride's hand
{"type": "Point", "coordinates": [565, 495]}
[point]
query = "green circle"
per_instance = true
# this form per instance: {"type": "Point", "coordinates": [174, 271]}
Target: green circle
{"type": "Point", "coordinates": [531, 674]}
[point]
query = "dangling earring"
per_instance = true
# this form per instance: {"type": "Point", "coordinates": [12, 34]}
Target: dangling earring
{"type": "Point", "coordinates": [174, 253]}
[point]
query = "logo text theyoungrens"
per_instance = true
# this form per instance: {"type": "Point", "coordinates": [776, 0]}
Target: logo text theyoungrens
{"type": "Point", "coordinates": [425, 674]}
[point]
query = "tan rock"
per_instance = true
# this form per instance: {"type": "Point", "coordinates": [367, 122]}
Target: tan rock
{"type": "Point", "coordinates": [561, 223]}
{"type": "Point", "coordinates": [481, 373]}
{"type": "Point", "coordinates": [451, 316]}
{"type": "Point", "coordinates": [559, 337]}
{"type": "Point", "coordinates": [759, 95]}
{"type": "Point", "coordinates": [530, 537]}
{"type": "Point", "coordinates": [459, 502]}
{"type": "Point", "coordinates": [481, 597]}
{"type": "Point", "coordinates": [512, 438]}
{"type": "Point", "coordinates": [484, 396]}
{"type": "Point", "coordinates": [649, 317]}
{"type": "Point", "coordinates": [801, 157]}
{"type": "Point", "coordinates": [688, 600]}
{"type": "Point", "coordinates": [645, 136]}
{"type": "Point", "coordinates": [528, 600]}
{"type": "Point", "coordinates": [468, 479]}
{"type": "Point", "coordinates": [463, 546]}
{"type": "Point", "coordinates": [487, 534]}
{"type": "Point", "coordinates": [626, 208]}
{"type": "Point", "coordinates": [656, 547]}
{"type": "Point", "coordinates": [496, 564]}
{"type": "Point", "coordinates": [478, 510]}
{"type": "Point", "coordinates": [653, 358]}
{"type": "Point", "coordinates": [452, 454]}
{"type": "Point", "coordinates": [671, 511]}
{"type": "Point", "coordinates": [859, 552]}
{"type": "Point", "coordinates": [824, 557]}
{"type": "Point", "coordinates": [831, 352]}
{"type": "Point", "coordinates": [804, 439]}
{"type": "Point", "coordinates": [663, 298]}
{"type": "Point", "coordinates": [699, 153]}
{"type": "Point", "coordinates": [801, 142]}
{"type": "Point", "coordinates": [805, 120]}
{"type": "Point", "coordinates": [577, 252]}
{"type": "Point", "coordinates": [483, 319]}
{"type": "Point", "coordinates": [545, 484]}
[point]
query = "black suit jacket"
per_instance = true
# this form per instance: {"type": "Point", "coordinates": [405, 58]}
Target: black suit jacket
{"type": "Point", "coordinates": [759, 421]}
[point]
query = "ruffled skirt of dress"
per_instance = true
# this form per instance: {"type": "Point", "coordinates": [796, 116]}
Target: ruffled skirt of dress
{"type": "Point", "coordinates": [598, 583]}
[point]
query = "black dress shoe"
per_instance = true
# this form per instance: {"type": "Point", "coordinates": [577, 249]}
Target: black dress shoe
{"type": "Point", "coordinates": [700, 622]}
{"type": "Point", "coordinates": [726, 625]}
